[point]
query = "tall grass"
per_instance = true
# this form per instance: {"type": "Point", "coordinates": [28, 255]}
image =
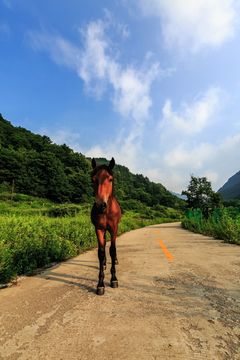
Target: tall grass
{"type": "Point", "coordinates": [226, 228]}
{"type": "Point", "coordinates": [29, 242]}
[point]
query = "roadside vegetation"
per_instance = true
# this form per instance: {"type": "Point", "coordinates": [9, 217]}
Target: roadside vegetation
{"type": "Point", "coordinates": [226, 227]}
{"type": "Point", "coordinates": [207, 214]}
{"type": "Point", "coordinates": [37, 232]}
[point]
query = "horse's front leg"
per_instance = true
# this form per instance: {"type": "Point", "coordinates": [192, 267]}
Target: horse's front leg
{"type": "Point", "coordinates": [113, 254]}
{"type": "Point", "coordinates": [102, 259]}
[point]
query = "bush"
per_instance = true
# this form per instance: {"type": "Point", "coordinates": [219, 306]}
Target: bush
{"type": "Point", "coordinates": [30, 242]}
{"type": "Point", "coordinates": [225, 228]}
{"type": "Point", "coordinates": [5, 187]}
{"type": "Point", "coordinates": [64, 210]}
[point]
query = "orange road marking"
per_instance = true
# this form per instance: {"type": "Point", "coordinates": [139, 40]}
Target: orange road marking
{"type": "Point", "coordinates": [159, 230]}
{"type": "Point", "coordinates": [165, 250]}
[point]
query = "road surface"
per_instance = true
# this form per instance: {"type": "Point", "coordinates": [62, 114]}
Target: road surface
{"type": "Point", "coordinates": [184, 306]}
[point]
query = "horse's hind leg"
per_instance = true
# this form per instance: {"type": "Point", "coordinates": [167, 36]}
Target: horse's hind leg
{"type": "Point", "coordinates": [113, 253]}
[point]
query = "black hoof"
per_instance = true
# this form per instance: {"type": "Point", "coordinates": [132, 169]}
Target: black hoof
{"type": "Point", "coordinates": [114, 284]}
{"type": "Point", "coordinates": [100, 290]}
{"type": "Point", "coordinates": [116, 262]}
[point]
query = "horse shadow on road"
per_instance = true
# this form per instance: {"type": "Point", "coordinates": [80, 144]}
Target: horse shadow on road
{"type": "Point", "coordinates": [72, 277]}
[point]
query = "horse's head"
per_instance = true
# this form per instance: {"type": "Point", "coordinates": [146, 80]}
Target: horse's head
{"type": "Point", "coordinates": [102, 177]}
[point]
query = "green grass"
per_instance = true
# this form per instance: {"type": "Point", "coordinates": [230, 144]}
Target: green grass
{"type": "Point", "coordinates": [23, 204]}
{"type": "Point", "coordinates": [31, 237]}
{"type": "Point", "coordinates": [226, 229]}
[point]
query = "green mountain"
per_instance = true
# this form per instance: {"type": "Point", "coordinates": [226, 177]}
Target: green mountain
{"type": "Point", "coordinates": [231, 189]}
{"type": "Point", "coordinates": [46, 170]}
{"type": "Point", "coordinates": [41, 168]}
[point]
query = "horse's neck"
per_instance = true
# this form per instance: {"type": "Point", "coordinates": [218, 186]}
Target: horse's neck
{"type": "Point", "coordinates": [111, 199]}
{"type": "Point", "coordinates": [111, 202]}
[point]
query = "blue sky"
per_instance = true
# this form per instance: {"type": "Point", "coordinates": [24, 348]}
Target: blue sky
{"type": "Point", "coordinates": [153, 83]}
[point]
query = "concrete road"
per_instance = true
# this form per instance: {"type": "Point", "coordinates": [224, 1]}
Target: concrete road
{"type": "Point", "coordinates": [186, 308]}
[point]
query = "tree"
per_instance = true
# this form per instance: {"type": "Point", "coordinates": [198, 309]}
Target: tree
{"type": "Point", "coordinates": [200, 195]}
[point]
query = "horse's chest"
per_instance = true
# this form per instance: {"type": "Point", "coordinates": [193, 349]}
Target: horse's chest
{"type": "Point", "coordinates": [99, 220]}
{"type": "Point", "coordinates": [103, 222]}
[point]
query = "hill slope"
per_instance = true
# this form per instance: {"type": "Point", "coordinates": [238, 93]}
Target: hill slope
{"type": "Point", "coordinates": [41, 168]}
{"type": "Point", "coordinates": [231, 189]}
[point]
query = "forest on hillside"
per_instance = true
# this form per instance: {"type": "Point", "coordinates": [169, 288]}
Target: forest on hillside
{"type": "Point", "coordinates": [47, 170]}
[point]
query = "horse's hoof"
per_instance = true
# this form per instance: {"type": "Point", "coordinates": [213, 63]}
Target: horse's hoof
{"type": "Point", "coordinates": [114, 284]}
{"type": "Point", "coordinates": [100, 290]}
{"type": "Point", "coordinates": [116, 262]}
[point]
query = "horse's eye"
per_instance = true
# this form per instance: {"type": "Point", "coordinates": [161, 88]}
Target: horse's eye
{"type": "Point", "coordinates": [110, 180]}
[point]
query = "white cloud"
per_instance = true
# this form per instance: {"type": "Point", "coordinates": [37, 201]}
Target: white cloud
{"type": "Point", "coordinates": [192, 24]}
{"type": "Point", "coordinates": [212, 161]}
{"type": "Point", "coordinates": [172, 179]}
{"type": "Point", "coordinates": [94, 60]}
{"type": "Point", "coordinates": [211, 175]}
{"type": "Point", "coordinates": [132, 89]}
{"type": "Point", "coordinates": [192, 118]}
{"type": "Point", "coordinates": [60, 50]}
{"type": "Point", "coordinates": [182, 150]}
{"type": "Point", "coordinates": [97, 66]}
{"type": "Point", "coordinates": [126, 150]}
{"type": "Point", "coordinates": [131, 86]}
{"type": "Point", "coordinates": [121, 27]}
{"type": "Point", "coordinates": [193, 158]}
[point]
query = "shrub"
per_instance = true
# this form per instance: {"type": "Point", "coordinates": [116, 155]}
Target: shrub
{"type": "Point", "coordinates": [65, 210]}
{"type": "Point", "coordinates": [223, 227]}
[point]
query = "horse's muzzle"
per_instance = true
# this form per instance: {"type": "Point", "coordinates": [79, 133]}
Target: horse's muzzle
{"type": "Point", "coordinates": [102, 208]}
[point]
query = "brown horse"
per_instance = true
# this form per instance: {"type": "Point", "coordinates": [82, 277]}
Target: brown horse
{"type": "Point", "coordinates": [105, 216]}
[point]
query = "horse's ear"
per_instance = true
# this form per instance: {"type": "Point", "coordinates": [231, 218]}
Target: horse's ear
{"type": "Point", "coordinates": [111, 164]}
{"type": "Point", "coordinates": [94, 164]}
